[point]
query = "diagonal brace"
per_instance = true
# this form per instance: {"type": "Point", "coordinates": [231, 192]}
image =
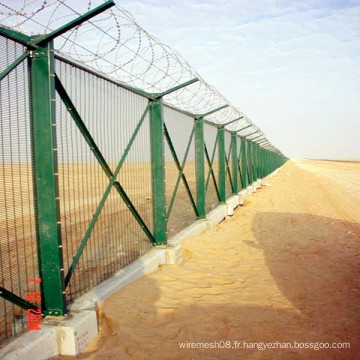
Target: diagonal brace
{"type": "Point", "coordinates": [228, 170]}
{"type": "Point", "coordinates": [210, 163]}
{"type": "Point", "coordinates": [7, 295]}
{"type": "Point", "coordinates": [122, 193]}
{"type": "Point", "coordinates": [211, 173]}
{"type": "Point", "coordinates": [13, 65]}
{"type": "Point", "coordinates": [96, 151]}
{"type": "Point", "coordinates": [181, 173]}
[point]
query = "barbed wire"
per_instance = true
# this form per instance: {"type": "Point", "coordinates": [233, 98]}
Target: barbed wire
{"type": "Point", "coordinates": [114, 44]}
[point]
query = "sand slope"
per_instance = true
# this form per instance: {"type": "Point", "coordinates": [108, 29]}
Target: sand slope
{"type": "Point", "coordinates": [284, 268]}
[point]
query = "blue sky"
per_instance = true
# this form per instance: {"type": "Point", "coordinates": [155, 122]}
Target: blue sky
{"type": "Point", "coordinates": [293, 67]}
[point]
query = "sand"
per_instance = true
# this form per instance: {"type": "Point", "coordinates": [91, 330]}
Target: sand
{"type": "Point", "coordinates": [284, 268]}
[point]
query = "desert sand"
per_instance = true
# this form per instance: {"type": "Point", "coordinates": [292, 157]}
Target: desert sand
{"type": "Point", "coordinates": [284, 268]}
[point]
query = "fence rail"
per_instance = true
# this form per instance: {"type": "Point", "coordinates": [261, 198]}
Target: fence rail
{"type": "Point", "coordinates": [95, 173]}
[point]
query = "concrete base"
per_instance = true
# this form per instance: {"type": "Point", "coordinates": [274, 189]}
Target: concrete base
{"type": "Point", "coordinates": [40, 345]}
{"type": "Point", "coordinates": [242, 196]}
{"type": "Point", "coordinates": [216, 216]}
{"type": "Point", "coordinates": [249, 190]}
{"type": "Point", "coordinates": [73, 335]}
{"type": "Point", "coordinates": [274, 173]}
{"type": "Point", "coordinates": [144, 265]}
{"type": "Point", "coordinates": [194, 229]}
{"type": "Point", "coordinates": [231, 204]}
{"type": "Point", "coordinates": [173, 252]}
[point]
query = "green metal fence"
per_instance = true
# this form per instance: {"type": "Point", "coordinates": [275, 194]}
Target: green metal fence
{"type": "Point", "coordinates": [210, 139]}
{"type": "Point", "coordinates": [95, 173]}
{"type": "Point", "coordinates": [18, 252]}
{"type": "Point", "coordinates": [180, 170]}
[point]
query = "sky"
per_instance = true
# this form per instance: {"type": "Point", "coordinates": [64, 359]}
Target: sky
{"type": "Point", "coordinates": [293, 67]}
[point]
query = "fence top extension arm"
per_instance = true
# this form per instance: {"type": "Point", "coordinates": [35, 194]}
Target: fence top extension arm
{"type": "Point", "coordinates": [38, 40]}
{"type": "Point", "coordinates": [232, 121]}
{"type": "Point", "coordinates": [200, 116]}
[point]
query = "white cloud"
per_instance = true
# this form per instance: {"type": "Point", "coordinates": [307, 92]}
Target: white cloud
{"type": "Point", "coordinates": [292, 66]}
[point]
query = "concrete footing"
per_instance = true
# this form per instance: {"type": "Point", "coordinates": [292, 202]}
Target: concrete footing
{"type": "Point", "coordinates": [216, 216]}
{"type": "Point", "coordinates": [70, 335]}
{"type": "Point", "coordinates": [40, 344]}
{"type": "Point", "coordinates": [74, 334]}
{"type": "Point", "coordinates": [173, 251]}
{"type": "Point", "coordinates": [231, 204]}
{"type": "Point", "coordinates": [242, 196]}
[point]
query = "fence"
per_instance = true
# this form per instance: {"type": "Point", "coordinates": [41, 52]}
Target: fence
{"type": "Point", "coordinates": [96, 172]}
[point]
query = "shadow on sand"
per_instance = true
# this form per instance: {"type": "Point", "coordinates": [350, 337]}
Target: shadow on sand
{"type": "Point", "coordinates": [313, 262]}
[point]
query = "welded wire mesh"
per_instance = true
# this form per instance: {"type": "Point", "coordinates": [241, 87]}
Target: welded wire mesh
{"type": "Point", "coordinates": [248, 161]}
{"type": "Point", "coordinates": [181, 131]}
{"type": "Point", "coordinates": [111, 115]}
{"type": "Point", "coordinates": [229, 168]}
{"type": "Point", "coordinates": [239, 166]}
{"type": "Point", "coordinates": [18, 254]}
{"type": "Point", "coordinates": [210, 140]}
{"type": "Point", "coordinates": [115, 45]}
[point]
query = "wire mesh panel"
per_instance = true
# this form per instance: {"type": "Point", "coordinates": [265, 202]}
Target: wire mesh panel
{"type": "Point", "coordinates": [238, 151]}
{"type": "Point", "coordinates": [18, 254]}
{"type": "Point", "coordinates": [229, 168]}
{"type": "Point", "coordinates": [210, 140]}
{"type": "Point", "coordinates": [179, 204]}
{"type": "Point", "coordinates": [111, 114]}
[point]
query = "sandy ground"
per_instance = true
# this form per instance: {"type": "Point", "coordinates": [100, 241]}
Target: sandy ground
{"type": "Point", "coordinates": [284, 268]}
{"type": "Point", "coordinates": [116, 239]}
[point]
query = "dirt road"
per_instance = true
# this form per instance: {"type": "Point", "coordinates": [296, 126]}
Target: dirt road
{"type": "Point", "coordinates": [283, 269]}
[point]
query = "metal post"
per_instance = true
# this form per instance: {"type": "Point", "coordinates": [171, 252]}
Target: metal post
{"type": "Point", "coordinates": [200, 167]}
{"type": "Point", "coordinates": [243, 164]}
{"type": "Point", "coordinates": [261, 162]}
{"type": "Point", "coordinates": [158, 170]}
{"type": "Point", "coordinates": [255, 161]}
{"type": "Point", "coordinates": [222, 164]}
{"type": "Point", "coordinates": [250, 162]}
{"type": "Point", "coordinates": [234, 156]}
{"type": "Point", "coordinates": [44, 149]}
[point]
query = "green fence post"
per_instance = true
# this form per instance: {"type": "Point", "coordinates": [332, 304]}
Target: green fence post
{"type": "Point", "coordinates": [244, 181]}
{"type": "Point", "coordinates": [254, 162]}
{"type": "Point", "coordinates": [235, 161]}
{"type": "Point", "coordinates": [200, 167]}
{"type": "Point", "coordinates": [257, 162]}
{"type": "Point", "coordinates": [250, 161]}
{"type": "Point", "coordinates": [253, 155]}
{"type": "Point", "coordinates": [222, 164]}
{"type": "Point", "coordinates": [158, 170]}
{"type": "Point", "coordinates": [44, 149]}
